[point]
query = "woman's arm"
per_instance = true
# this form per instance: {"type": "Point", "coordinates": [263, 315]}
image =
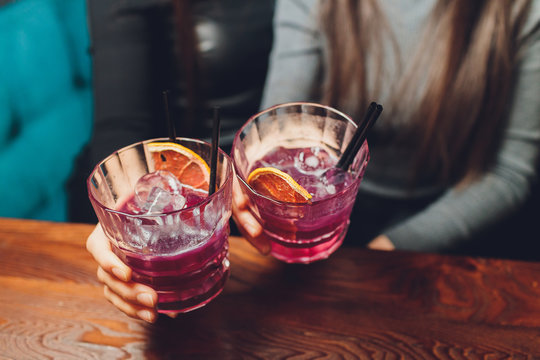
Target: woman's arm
{"type": "Point", "coordinates": [294, 64]}
{"type": "Point", "coordinates": [461, 214]}
{"type": "Point", "coordinates": [295, 60]}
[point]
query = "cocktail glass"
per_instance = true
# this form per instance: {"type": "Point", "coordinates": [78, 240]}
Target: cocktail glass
{"type": "Point", "coordinates": [300, 233]}
{"type": "Point", "coordinates": [182, 254]}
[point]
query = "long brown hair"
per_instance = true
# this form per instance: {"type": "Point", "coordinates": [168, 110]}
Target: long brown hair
{"type": "Point", "coordinates": [460, 78]}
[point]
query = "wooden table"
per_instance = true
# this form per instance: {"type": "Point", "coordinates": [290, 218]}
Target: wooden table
{"type": "Point", "coordinates": [359, 304]}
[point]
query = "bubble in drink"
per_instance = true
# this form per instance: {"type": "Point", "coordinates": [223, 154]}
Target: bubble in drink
{"type": "Point", "coordinates": [158, 192]}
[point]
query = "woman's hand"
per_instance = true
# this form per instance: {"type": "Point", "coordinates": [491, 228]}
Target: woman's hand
{"type": "Point", "coordinates": [134, 299]}
{"type": "Point", "coordinates": [247, 224]}
{"type": "Point", "coordinates": [381, 242]}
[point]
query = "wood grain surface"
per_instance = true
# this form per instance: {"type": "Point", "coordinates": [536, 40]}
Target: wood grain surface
{"type": "Point", "coordinates": [358, 304]}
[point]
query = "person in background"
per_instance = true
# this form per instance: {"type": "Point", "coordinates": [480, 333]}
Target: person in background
{"type": "Point", "coordinates": [206, 52]}
{"type": "Point", "coordinates": [456, 149]}
{"type": "Point", "coordinates": [45, 104]}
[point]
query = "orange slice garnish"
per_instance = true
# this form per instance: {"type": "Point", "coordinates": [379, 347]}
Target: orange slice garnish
{"type": "Point", "coordinates": [276, 184]}
{"type": "Point", "coordinates": [186, 165]}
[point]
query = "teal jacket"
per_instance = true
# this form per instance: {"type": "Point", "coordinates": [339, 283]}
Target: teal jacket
{"type": "Point", "coordinates": [45, 104]}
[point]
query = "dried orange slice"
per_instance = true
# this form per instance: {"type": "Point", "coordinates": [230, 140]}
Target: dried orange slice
{"type": "Point", "coordinates": [277, 185]}
{"type": "Point", "coordinates": [186, 165]}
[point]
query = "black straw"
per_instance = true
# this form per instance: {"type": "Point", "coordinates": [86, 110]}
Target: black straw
{"type": "Point", "coordinates": [347, 153]}
{"type": "Point", "coordinates": [170, 124]}
{"type": "Point", "coordinates": [215, 147]}
{"type": "Point", "coordinates": [372, 114]}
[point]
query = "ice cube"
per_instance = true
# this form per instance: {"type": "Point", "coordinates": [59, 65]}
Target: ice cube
{"type": "Point", "coordinates": [131, 236]}
{"type": "Point", "coordinates": [334, 176]}
{"type": "Point", "coordinates": [192, 233]}
{"type": "Point", "coordinates": [335, 180]}
{"type": "Point", "coordinates": [212, 213]}
{"type": "Point", "coordinates": [312, 161]}
{"type": "Point", "coordinates": [313, 185]}
{"type": "Point", "coordinates": [158, 192]}
{"type": "Point", "coordinates": [161, 179]}
{"type": "Point", "coordinates": [280, 158]}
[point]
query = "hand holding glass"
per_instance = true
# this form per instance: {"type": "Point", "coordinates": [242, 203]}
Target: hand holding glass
{"type": "Point", "coordinates": [174, 237]}
{"type": "Point", "coordinates": [305, 141]}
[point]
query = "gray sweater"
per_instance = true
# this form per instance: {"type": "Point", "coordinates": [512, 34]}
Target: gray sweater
{"type": "Point", "coordinates": [450, 215]}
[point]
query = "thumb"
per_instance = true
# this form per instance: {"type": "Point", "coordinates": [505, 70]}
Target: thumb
{"type": "Point", "coordinates": [99, 246]}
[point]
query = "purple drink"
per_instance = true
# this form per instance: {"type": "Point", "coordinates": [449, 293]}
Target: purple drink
{"type": "Point", "coordinates": [305, 141]}
{"type": "Point", "coordinates": [312, 168]}
{"type": "Point", "coordinates": [188, 279]}
{"type": "Point", "coordinates": [173, 236]}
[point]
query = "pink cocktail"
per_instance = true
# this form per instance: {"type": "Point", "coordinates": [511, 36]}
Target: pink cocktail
{"type": "Point", "coordinates": [305, 141]}
{"type": "Point", "coordinates": [179, 247]}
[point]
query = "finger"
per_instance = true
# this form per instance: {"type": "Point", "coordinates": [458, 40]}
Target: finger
{"type": "Point", "coordinates": [241, 214]}
{"type": "Point", "coordinates": [132, 310]}
{"type": "Point", "coordinates": [381, 242]}
{"type": "Point", "coordinates": [260, 242]}
{"type": "Point", "coordinates": [245, 220]}
{"type": "Point", "coordinates": [239, 198]}
{"type": "Point", "coordinates": [129, 291]}
{"type": "Point", "coordinates": [99, 246]}
{"type": "Point", "coordinates": [247, 224]}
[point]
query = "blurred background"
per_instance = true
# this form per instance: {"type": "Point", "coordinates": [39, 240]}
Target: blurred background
{"type": "Point", "coordinates": [58, 119]}
{"type": "Point", "coordinates": [47, 105]}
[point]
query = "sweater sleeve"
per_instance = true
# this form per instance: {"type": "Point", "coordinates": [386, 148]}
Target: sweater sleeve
{"type": "Point", "coordinates": [296, 54]}
{"type": "Point", "coordinates": [460, 214]}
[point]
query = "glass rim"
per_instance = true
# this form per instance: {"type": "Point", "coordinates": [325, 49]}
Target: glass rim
{"type": "Point", "coordinates": [282, 105]}
{"type": "Point", "coordinates": [230, 167]}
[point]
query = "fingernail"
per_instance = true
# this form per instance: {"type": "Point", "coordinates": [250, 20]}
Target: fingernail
{"type": "Point", "coordinates": [265, 248]}
{"type": "Point", "coordinates": [119, 274]}
{"type": "Point", "coordinates": [146, 315]}
{"type": "Point", "coordinates": [145, 299]}
{"type": "Point", "coordinates": [252, 229]}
